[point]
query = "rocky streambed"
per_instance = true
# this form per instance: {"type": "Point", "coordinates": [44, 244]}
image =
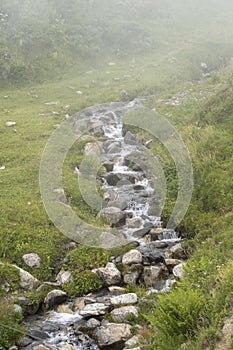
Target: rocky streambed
{"type": "Point", "coordinates": [131, 205]}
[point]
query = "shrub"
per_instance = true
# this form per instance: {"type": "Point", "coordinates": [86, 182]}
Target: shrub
{"type": "Point", "coordinates": [83, 283]}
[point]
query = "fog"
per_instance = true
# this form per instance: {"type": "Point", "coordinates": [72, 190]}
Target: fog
{"type": "Point", "coordinates": [41, 36]}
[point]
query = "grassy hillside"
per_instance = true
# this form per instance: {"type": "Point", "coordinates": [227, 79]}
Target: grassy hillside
{"type": "Point", "coordinates": [157, 51]}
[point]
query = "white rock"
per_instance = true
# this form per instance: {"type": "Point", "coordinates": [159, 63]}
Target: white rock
{"type": "Point", "coordinates": [2, 167]}
{"type": "Point", "coordinates": [132, 257]}
{"type": "Point", "coordinates": [32, 260]}
{"type": "Point", "coordinates": [10, 123]}
{"type": "Point", "coordinates": [109, 275]}
{"type": "Point", "coordinates": [64, 277]}
{"type": "Point", "coordinates": [178, 271]}
{"type": "Point", "coordinates": [121, 314]}
{"type": "Point", "coordinates": [92, 323]}
{"type": "Point", "coordinates": [111, 333]}
{"type": "Point", "coordinates": [95, 309]}
{"type": "Point", "coordinates": [132, 342]}
{"type": "Point", "coordinates": [27, 281]}
{"type": "Point", "coordinates": [124, 299]}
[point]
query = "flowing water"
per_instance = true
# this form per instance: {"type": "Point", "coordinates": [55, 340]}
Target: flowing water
{"type": "Point", "coordinates": [60, 329]}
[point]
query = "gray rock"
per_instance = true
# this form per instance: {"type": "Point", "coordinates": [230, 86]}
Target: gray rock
{"type": "Point", "coordinates": [151, 254]}
{"type": "Point", "coordinates": [124, 299]}
{"type": "Point", "coordinates": [55, 297]}
{"type": "Point", "coordinates": [124, 95]}
{"type": "Point", "coordinates": [64, 277]}
{"type": "Point", "coordinates": [154, 273]}
{"type": "Point", "coordinates": [118, 203]}
{"type": "Point", "coordinates": [177, 252]}
{"type": "Point", "coordinates": [114, 216]}
{"type": "Point", "coordinates": [134, 222]}
{"type": "Point", "coordinates": [27, 281]}
{"type": "Point", "coordinates": [108, 165]}
{"type": "Point", "coordinates": [96, 309]}
{"type": "Point", "coordinates": [32, 260]}
{"type": "Point", "coordinates": [130, 138]}
{"type": "Point", "coordinates": [131, 278]}
{"type": "Point", "coordinates": [142, 232]}
{"type": "Point", "coordinates": [112, 333]}
{"type": "Point", "coordinates": [123, 313]}
{"type": "Point", "coordinates": [132, 257]}
{"type": "Point", "coordinates": [129, 344]}
{"type": "Point", "coordinates": [178, 271]}
{"type": "Point", "coordinates": [108, 275]}
{"type": "Point", "coordinates": [92, 323]}
{"type": "Point", "coordinates": [113, 179]}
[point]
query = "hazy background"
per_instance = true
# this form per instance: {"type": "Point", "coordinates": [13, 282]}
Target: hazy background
{"type": "Point", "coordinates": [46, 38]}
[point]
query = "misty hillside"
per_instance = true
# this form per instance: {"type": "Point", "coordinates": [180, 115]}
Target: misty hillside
{"type": "Point", "coordinates": [111, 113]}
{"type": "Point", "coordinates": [40, 39]}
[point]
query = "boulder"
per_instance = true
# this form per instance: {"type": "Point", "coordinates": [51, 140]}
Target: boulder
{"type": "Point", "coordinates": [178, 270]}
{"type": "Point", "coordinates": [108, 275]}
{"type": "Point", "coordinates": [92, 323]}
{"type": "Point", "coordinates": [123, 313]}
{"type": "Point", "coordinates": [142, 232]}
{"type": "Point", "coordinates": [64, 277]}
{"type": "Point", "coordinates": [108, 165]}
{"type": "Point", "coordinates": [32, 260]}
{"type": "Point", "coordinates": [154, 273]}
{"type": "Point", "coordinates": [10, 123]}
{"type": "Point", "coordinates": [118, 203]}
{"type": "Point", "coordinates": [151, 254]}
{"type": "Point", "coordinates": [131, 278]}
{"type": "Point", "coordinates": [129, 344]}
{"type": "Point", "coordinates": [130, 138]}
{"type": "Point", "coordinates": [27, 281]}
{"type": "Point", "coordinates": [124, 299]}
{"type": "Point", "coordinates": [132, 257]}
{"type": "Point", "coordinates": [111, 334]}
{"type": "Point", "coordinates": [177, 252]}
{"type": "Point", "coordinates": [114, 216]}
{"type": "Point", "coordinates": [96, 309]}
{"type": "Point", "coordinates": [135, 222]}
{"type": "Point", "coordinates": [54, 297]}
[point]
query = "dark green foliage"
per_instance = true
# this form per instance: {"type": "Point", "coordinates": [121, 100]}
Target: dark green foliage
{"type": "Point", "coordinates": [10, 275]}
{"type": "Point", "coordinates": [83, 283]}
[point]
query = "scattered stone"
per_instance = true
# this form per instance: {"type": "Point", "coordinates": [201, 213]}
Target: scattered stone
{"type": "Point", "coordinates": [131, 278]}
{"type": "Point", "coordinates": [114, 289]}
{"type": "Point", "coordinates": [92, 323]}
{"type": "Point", "coordinates": [142, 232]}
{"type": "Point", "coordinates": [151, 254]}
{"type": "Point", "coordinates": [108, 165]}
{"type": "Point", "coordinates": [149, 143]}
{"type": "Point", "coordinates": [114, 216]}
{"type": "Point", "coordinates": [2, 167]}
{"type": "Point", "coordinates": [171, 263]}
{"type": "Point", "coordinates": [132, 342]}
{"type": "Point", "coordinates": [108, 275]}
{"type": "Point", "coordinates": [112, 333]}
{"type": "Point", "coordinates": [177, 252]}
{"type": "Point", "coordinates": [135, 222]}
{"type": "Point", "coordinates": [178, 271]}
{"type": "Point", "coordinates": [118, 203]}
{"type": "Point", "coordinates": [124, 299]}
{"type": "Point", "coordinates": [10, 123]}
{"type": "Point", "coordinates": [132, 257]}
{"type": "Point", "coordinates": [32, 260]}
{"type": "Point", "coordinates": [27, 281]}
{"type": "Point", "coordinates": [154, 273]}
{"type": "Point", "coordinates": [55, 297]}
{"type": "Point", "coordinates": [96, 309]}
{"type": "Point", "coordinates": [123, 313]}
{"type": "Point", "coordinates": [130, 139]}
{"type": "Point", "coordinates": [64, 277]}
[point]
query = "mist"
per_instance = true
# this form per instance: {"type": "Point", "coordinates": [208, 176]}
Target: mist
{"type": "Point", "coordinates": [45, 38]}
